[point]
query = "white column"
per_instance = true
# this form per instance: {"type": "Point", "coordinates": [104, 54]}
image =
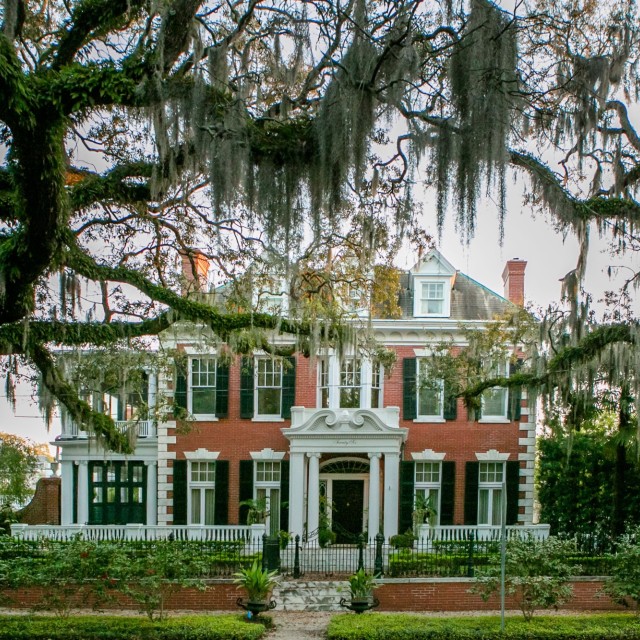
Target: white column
{"type": "Point", "coordinates": [296, 494]}
{"type": "Point", "coordinates": [334, 382]}
{"type": "Point", "coordinates": [365, 384]}
{"type": "Point", "coordinates": [83, 492]}
{"type": "Point", "coordinates": [152, 493]}
{"type": "Point", "coordinates": [374, 494]}
{"type": "Point", "coordinates": [313, 496]}
{"type": "Point", "coordinates": [391, 488]}
{"type": "Point", "coordinates": [67, 490]}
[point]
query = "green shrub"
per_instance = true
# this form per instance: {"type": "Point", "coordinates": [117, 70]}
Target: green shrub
{"type": "Point", "coordinates": [536, 574]}
{"type": "Point", "coordinates": [402, 540]}
{"type": "Point", "coordinates": [624, 584]}
{"type": "Point", "coordinates": [430, 564]}
{"type": "Point", "coordinates": [378, 626]}
{"type": "Point", "coordinates": [222, 627]}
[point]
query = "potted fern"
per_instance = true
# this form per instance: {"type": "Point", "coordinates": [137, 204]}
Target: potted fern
{"type": "Point", "coordinates": [361, 586]}
{"type": "Point", "coordinates": [258, 584]}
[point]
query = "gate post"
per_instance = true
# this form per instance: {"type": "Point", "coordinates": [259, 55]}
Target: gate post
{"type": "Point", "coordinates": [378, 566]}
{"type": "Point", "coordinates": [470, 556]}
{"type": "Point", "coordinates": [296, 559]}
{"type": "Point", "coordinates": [360, 552]}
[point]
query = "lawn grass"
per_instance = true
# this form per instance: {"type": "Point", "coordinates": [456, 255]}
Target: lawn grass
{"type": "Point", "coordinates": [379, 626]}
{"type": "Point", "coordinates": [198, 627]}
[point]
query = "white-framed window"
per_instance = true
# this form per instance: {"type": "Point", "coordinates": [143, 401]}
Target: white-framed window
{"type": "Point", "coordinates": [376, 385]}
{"type": "Point", "coordinates": [431, 297]}
{"type": "Point", "coordinates": [490, 494]}
{"type": "Point", "coordinates": [495, 400]}
{"type": "Point", "coordinates": [268, 389]}
{"type": "Point", "coordinates": [427, 487]}
{"type": "Point", "coordinates": [430, 394]}
{"type": "Point", "coordinates": [323, 383]}
{"type": "Point", "coordinates": [350, 383]}
{"type": "Point", "coordinates": [267, 491]}
{"type": "Point", "coordinates": [202, 486]}
{"type": "Point", "coordinates": [202, 387]}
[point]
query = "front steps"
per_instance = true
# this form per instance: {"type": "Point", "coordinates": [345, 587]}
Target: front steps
{"type": "Point", "coordinates": [311, 595]}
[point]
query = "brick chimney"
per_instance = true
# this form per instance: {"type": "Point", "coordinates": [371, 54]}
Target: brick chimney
{"type": "Point", "coordinates": [513, 278]}
{"type": "Point", "coordinates": [195, 269]}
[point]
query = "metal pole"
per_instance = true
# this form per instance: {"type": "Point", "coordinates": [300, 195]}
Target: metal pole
{"type": "Point", "coordinates": [296, 559]}
{"type": "Point", "coordinates": [378, 566]}
{"type": "Point", "coordinates": [503, 552]}
{"type": "Point", "coordinates": [360, 552]}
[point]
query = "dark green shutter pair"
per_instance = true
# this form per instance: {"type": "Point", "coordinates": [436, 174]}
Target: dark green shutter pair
{"type": "Point", "coordinates": [246, 491]}
{"type": "Point", "coordinates": [410, 393]}
{"type": "Point", "coordinates": [247, 387]}
{"type": "Point", "coordinates": [471, 486]}
{"type": "Point", "coordinates": [407, 490]}
{"type": "Point", "coordinates": [180, 488]}
{"type": "Point", "coordinates": [221, 390]}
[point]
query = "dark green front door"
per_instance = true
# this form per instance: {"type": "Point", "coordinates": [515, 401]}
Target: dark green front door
{"type": "Point", "coordinates": [117, 493]}
{"type": "Point", "coordinates": [348, 505]}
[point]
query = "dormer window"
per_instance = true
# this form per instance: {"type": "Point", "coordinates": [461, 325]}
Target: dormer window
{"type": "Point", "coordinates": [431, 297]}
{"type": "Point", "coordinates": [433, 278]}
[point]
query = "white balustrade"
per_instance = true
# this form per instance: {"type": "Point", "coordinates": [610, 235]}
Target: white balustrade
{"type": "Point", "coordinates": [143, 428]}
{"type": "Point", "coordinates": [453, 533]}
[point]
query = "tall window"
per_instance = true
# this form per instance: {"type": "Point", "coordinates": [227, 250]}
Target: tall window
{"type": "Point", "coordinates": [431, 298]}
{"type": "Point", "coordinates": [494, 401]}
{"type": "Point", "coordinates": [427, 488]}
{"type": "Point", "coordinates": [268, 387]}
{"type": "Point", "coordinates": [203, 386]}
{"type": "Point", "coordinates": [430, 394]}
{"type": "Point", "coordinates": [490, 495]}
{"type": "Point", "coordinates": [202, 477]}
{"type": "Point", "coordinates": [376, 385]}
{"type": "Point", "coordinates": [350, 383]}
{"type": "Point", "coordinates": [268, 492]}
{"type": "Point", "coordinates": [323, 383]}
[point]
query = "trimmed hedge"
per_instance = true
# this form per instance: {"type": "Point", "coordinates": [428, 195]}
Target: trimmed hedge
{"type": "Point", "coordinates": [214, 627]}
{"type": "Point", "coordinates": [377, 626]}
{"type": "Point", "coordinates": [432, 564]}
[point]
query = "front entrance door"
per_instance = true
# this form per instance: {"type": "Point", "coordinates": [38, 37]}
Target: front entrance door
{"type": "Point", "coordinates": [348, 504]}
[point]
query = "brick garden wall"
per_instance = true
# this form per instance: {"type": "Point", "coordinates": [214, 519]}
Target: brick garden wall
{"type": "Point", "coordinates": [444, 594]}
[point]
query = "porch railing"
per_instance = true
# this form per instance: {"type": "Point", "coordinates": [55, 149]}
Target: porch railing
{"type": "Point", "coordinates": [454, 533]}
{"type": "Point", "coordinates": [143, 429]}
{"type": "Point", "coordinates": [222, 533]}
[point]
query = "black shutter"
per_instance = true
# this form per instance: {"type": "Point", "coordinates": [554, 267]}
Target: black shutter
{"type": "Point", "coordinates": [75, 493]}
{"type": "Point", "coordinates": [246, 488]}
{"type": "Point", "coordinates": [179, 492]}
{"type": "Point", "coordinates": [514, 404]}
{"type": "Point", "coordinates": [222, 389]}
{"type": "Point", "coordinates": [284, 495]}
{"type": "Point", "coordinates": [448, 488]}
{"type": "Point", "coordinates": [288, 386]}
{"type": "Point", "coordinates": [221, 508]}
{"type": "Point", "coordinates": [407, 480]}
{"type": "Point", "coordinates": [513, 491]}
{"type": "Point", "coordinates": [450, 411]}
{"type": "Point", "coordinates": [409, 400]}
{"type": "Point", "coordinates": [471, 479]}
{"type": "Point", "coordinates": [180, 392]}
{"type": "Point", "coordinates": [246, 388]}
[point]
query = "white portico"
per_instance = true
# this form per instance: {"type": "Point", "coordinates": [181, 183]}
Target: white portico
{"type": "Point", "coordinates": [371, 435]}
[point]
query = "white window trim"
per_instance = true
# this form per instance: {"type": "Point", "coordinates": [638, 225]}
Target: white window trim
{"type": "Point", "coordinates": [265, 417]}
{"type": "Point", "coordinates": [334, 375]}
{"type": "Point", "coordinates": [202, 417]}
{"type": "Point", "coordinates": [267, 485]}
{"type": "Point", "coordinates": [491, 486]}
{"type": "Point", "coordinates": [418, 281]}
{"type": "Point", "coordinates": [435, 419]}
{"type": "Point", "coordinates": [200, 455]}
{"type": "Point", "coordinates": [498, 418]}
{"type": "Point", "coordinates": [417, 486]}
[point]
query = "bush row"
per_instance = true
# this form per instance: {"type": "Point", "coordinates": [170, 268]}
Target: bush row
{"type": "Point", "coordinates": [375, 626]}
{"type": "Point", "coordinates": [226, 627]}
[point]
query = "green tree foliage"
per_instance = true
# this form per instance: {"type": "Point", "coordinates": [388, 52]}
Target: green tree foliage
{"type": "Point", "coordinates": [576, 484]}
{"type": "Point", "coordinates": [134, 131]}
{"type": "Point", "coordinates": [536, 574]}
{"type": "Point", "coordinates": [18, 463]}
{"type": "Point", "coordinates": [624, 584]}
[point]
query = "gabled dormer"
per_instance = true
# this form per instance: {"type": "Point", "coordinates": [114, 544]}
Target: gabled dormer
{"type": "Point", "coordinates": [432, 279]}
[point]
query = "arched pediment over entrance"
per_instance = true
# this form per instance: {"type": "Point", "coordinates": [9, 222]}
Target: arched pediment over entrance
{"type": "Point", "coordinates": [345, 430]}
